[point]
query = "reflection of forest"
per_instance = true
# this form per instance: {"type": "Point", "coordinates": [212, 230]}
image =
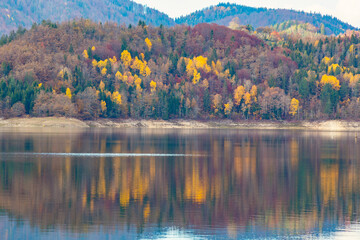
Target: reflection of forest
{"type": "Point", "coordinates": [291, 181]}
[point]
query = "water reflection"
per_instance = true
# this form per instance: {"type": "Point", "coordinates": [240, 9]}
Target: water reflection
{"type": "Point", "coordinates": [209, 183]}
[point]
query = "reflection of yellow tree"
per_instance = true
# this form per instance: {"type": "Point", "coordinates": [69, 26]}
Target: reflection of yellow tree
{"type": "Point", "coordinates": [116, 164]}
{"type": "Point", "coordinates": [84, 198]}
{"type": "Point", "coordinates": [146, 211]}
{"type": "Point", "coordinates": [195, 187]}
{"type": "Point", "coordinates": [237, 161]}
{"type": "Point", "coordinates": [141, 182]}
{"type": "Point", "coordinates": [101, 183]}
{"type": "Point", "coordinates": [329, 178]}
{"type": "Point", "coordinates": [124, 197]}
{"type": "Point", "coordinates": [249, 159]}
{"type": "Point", "coordinates": [294, 153]}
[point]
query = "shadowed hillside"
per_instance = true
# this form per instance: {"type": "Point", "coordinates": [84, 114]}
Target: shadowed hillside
{"type": "Point", "coordinates": [26, 12]}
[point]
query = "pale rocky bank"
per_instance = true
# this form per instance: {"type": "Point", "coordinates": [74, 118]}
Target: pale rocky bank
{"type": "Point", "coordinates": [60, 122]}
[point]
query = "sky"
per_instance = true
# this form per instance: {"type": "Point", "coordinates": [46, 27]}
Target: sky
{"type": "Point", "coordinates": [346, 10]}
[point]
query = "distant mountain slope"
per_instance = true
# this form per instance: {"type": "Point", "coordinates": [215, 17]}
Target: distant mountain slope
{"type": "Point", "coordinates": [224, 13]}
{"type": "Point", "coordinates": [14, 13]}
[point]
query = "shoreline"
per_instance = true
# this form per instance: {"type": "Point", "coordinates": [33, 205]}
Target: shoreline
{"type": "Point", "coordinates": [72, 123]}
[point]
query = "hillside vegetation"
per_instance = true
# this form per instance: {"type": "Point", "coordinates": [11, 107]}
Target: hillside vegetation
{"type": "Point", "coordinates": [26, 12]}
{"type": "Point", "coordinates": [224, 13]}
{"type": "Point", "coordinates": [87, 70]}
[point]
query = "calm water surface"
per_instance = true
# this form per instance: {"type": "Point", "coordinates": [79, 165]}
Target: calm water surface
{"type": "Point", "coordinates": [185, 184]}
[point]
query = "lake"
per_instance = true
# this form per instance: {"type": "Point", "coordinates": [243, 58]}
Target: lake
{"type": "Point", "coordinates": [184, 184]}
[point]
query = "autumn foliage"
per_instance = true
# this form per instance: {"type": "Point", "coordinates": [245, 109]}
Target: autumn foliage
{"type": "Point", "coordinates": [87, 70]}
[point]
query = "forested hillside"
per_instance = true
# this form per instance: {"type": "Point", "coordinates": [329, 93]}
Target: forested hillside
{"type": "Point", "coordinates": [14, 14]}
{"type": "Point", "coordinates": [26, 12]}
{"type": "Point", "coordinates": [87, 70]}
{"type": "Point", "coordinates": [224, 13]}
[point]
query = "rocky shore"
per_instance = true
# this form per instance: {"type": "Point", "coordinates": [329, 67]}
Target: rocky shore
{"type": "Point", "coordinates": [71, 123]}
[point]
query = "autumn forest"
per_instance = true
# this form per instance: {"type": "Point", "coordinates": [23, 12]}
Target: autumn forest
{"type": "Point", "coordinates": [88, 70]}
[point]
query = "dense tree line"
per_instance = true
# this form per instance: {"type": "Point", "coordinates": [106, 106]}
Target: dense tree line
{"type": "Point", "coordinates": [88, 70]}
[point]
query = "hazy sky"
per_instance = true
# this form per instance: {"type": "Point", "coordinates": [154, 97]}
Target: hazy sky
{"type": "Point", "coordinates": [346, 10]}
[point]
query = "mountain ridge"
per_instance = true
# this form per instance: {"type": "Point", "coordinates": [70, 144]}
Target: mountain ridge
{"type": "Point", "coordinates": [223, 14]}
{"type": "Point", "coordinates": [26, 12]}
{"type": "Point", "coordinates": [14, 14]}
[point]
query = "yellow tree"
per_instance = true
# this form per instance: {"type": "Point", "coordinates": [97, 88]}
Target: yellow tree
{"type": "Point", "coordinates": [294, 106]}
{"type": "Point", "coordinates": [201, 63]}
{"type": "Point", "coordinates": [190, 68]}
{"type": "Point", "coordinates": [217, 67]}
{"type": "Point", "coordinates": [118, 76]}
{"type": "Point", "coordinates": [103, 106]}
{"type": "Point", "coordinates": [326, 60]}
{"type": "Point", "coordinates": [147, 71]}
{"type": "Point", "coordinates": [94, 63]}
{"type": "Point", "coordinates": [153, 86]}
{"type": "Point", "coordinates": [113, 60]}
{"type": "Point", "coordinates": [247, 99]}
{"type": "Point", "coordinates": [196, 77]}
{"type": "Point", "coordinates": [213, 67]}
{"type": "Point", "coordinates": [103, 71]}
{"type": "Point", "coordinates": [125, 77]}
{"type": "Point", "coordinates": [228, 107]}
{"type": "Point", "coordinates": [238, 94]}
{"type": "Point", "coordinates": [126, 58]}
{"type": "Point", "coordinates": [68, 93]}
{"type": "Point", "coordinates": [116, 98]}
{"type": "Point", "coordinates": [253, 93]}
{"type": "Point", "coordinates": [102, 64]}
{"type": "Point", "coordinates": [148, 43]}
{"type": "Point", "coordinates": [61, 74]}
{"type": "Point", "coordinates": [333, 68]}
{"type": "Point", "coordinates": [333, 81]}
{"type": "Point", "coordinates": [139, 65]}
{"type": "Point", "coordinates": [85, 54]}
{"type": "Point", "coordinates": [351, 49]}
{"type": "Point", "coordinates": [138, 83]}
{"type": "Point", "coordinates": [102, 86]}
